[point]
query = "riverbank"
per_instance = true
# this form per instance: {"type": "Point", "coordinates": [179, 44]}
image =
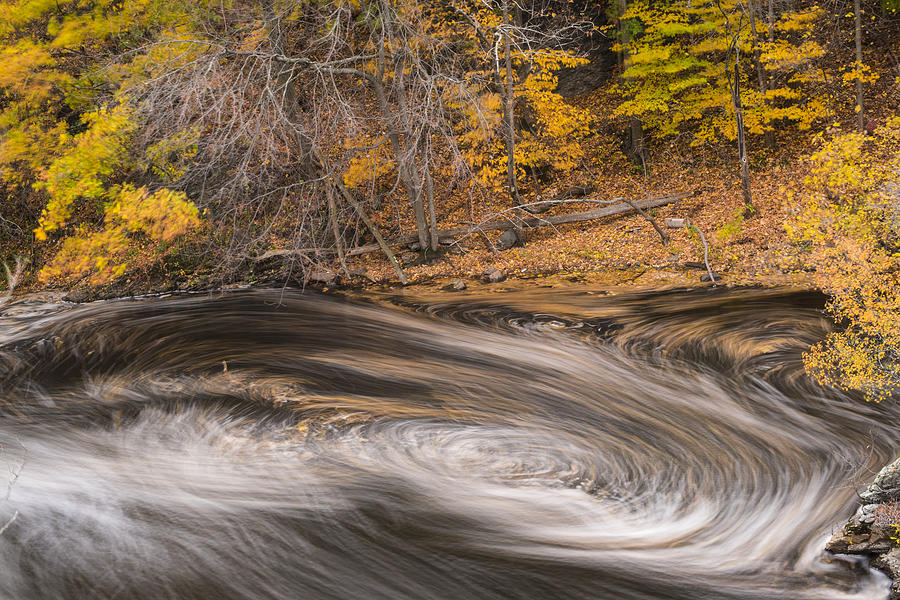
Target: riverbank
{"type": "Point", "coordinates": [623, 251]}
{"type": "Point", "coordinates": [872, 532]}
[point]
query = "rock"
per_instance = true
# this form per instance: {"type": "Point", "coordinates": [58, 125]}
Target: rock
{"type": "Point", "coordinates": [885, 487]}
{"type": "Point", "coordinates": [869, 531]}
{"type": "Point", "coordinates": [877, 541]}
{"type": "Point", "coordinates": [676, 223]}
{"type": "Point", "coordinates": [863, 519]}
{"type": "Point", "coordinates": [855, 562]}
{"type": "Point", "coordinates": [415, 246]}
{"type": "Point", "coordinates": [408, 257]}
{"type": "Point", "coordinates": [322, 276]}
{"type": "Point", "coordinates": [706, 277]}
{"type": "Point", "coordinates": [457, 285]}
{"type": "Point", "coordinates": [889, 563]}
{"type": "Point", "coordinates": [507, 240]}
{"type": "Point", "coordinates": [494, 275]}
{"type": "Point", "coordinates": [361, 272]}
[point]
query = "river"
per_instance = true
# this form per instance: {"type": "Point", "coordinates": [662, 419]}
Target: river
{"type": "Point", "coordinates": [534, 444]}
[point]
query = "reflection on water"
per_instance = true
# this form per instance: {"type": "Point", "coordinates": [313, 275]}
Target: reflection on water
{"type": "Point", "coordinates": [528, 445]}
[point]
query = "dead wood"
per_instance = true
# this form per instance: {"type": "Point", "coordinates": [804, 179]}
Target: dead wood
{"type": "Point", "coordinates": [449, 235]}
{"type": "Point", "coordinates": [575, 191]}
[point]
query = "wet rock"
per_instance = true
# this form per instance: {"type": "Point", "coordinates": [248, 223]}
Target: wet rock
{"type": "Point", "coordinates": [494, 275]}
{"type": "Point", "coordinates": [890, 564]}
{"type": "Point", "coordinates": [866, 543]}
{"type": "Point", "coordinates": [507, 240]}
{"type": "Point", "coordinates": [869, 531]}
{"type": "Point", "coordinates": [456, 286]}
{"type": "Point", "coordinates": [854, 562]}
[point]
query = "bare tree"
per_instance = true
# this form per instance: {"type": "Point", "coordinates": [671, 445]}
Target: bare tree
{"type": "Point", "coordinates": [734, 31]}
{"type": "Point", "coordinates": [281, 96]}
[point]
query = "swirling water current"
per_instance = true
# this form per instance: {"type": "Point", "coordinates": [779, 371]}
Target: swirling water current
{"type": "Point", "coordinates": [529, 445]}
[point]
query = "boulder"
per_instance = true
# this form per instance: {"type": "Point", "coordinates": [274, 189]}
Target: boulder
{"type": "Point", "coordinates": [325, 276]}
{"type": "Point", "coordinates": [494, 275]}
{"type": "Point", "coordinates": [870, 532]}
{"type": "Point", "coordinates": [889, 562]}
{"type": "Point", "coordinates": [507, 240]}
{"type": "Point", "coordinates": [885, 487]}
{"type": "Point", "coordinates": [456, 286]}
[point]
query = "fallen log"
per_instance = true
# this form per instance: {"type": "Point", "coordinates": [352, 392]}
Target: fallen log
{"type": "Point", "coordinates": [500, 225]}
{"type": "Point", "coordinates": [576, 191]}
{"type": "Point", "coordinates": [612, 208]}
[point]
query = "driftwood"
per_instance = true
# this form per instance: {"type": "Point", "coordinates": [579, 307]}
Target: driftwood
{"type": "Point", "coordinates": [448, 235]}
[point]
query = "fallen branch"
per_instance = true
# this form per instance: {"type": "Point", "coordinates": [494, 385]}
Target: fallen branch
{"type": "Point", "coordinates": [614, 207]}
{"type": "Point", "coordinates": [618, 207]}
{"type": "Point", "coordinates": [709, 271]}
{"type": "Point", "coordinates": [576, 191]}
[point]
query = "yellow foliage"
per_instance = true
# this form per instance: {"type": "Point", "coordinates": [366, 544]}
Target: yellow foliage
{"type": "Point", "coordinates": [557, 127]}
{"type": "Point", "coordinates": [371, 162]}
{"type": "Point", "coordinates": [82, 169]}
{"type": "Point", "coordinates": [850, 222]}
{"type": "Point", "coordinates": [676, 80]}
{"type": "Point", "coordinates": [103, 255]}
{"type": "Point", "coordinates": [859, 71]}
{"type": "Point", "coordinates": [168, 158]}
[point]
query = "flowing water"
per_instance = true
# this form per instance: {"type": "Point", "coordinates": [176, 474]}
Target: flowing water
{"type": "Point", "coordinates": [538, 444]}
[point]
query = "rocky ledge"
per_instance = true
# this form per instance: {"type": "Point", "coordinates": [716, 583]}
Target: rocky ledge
{"type": "Point", "coordinates": [875, 528]}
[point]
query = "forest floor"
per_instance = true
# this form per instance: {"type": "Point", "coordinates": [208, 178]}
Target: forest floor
{"type": "Point", "coordinates": [626, 250]}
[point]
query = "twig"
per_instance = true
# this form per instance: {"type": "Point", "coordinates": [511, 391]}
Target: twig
{"type": "Point", "coordinates": [662, 234]}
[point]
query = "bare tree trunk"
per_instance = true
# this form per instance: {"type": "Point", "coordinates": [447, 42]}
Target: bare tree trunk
{"type": "Point", "coordinates": [338, 185]}
{"type": "Point", "coordinates": [335, 230]}
{"type": "Point", "coordinates": [406, 165]}
{"type": "Point", "coordinates": [403, 160]}
{"type": "Point", "coordinates": [742, 144]}
{"type": "Point", "coordinates": [509, 104]}
{"type": "Point", "coordinates": [429, 197]}
{"type": "Point", "coordinates": [860, 119]}
{"type": "Point", "coordinates": [509, 113]}
{"type": "Point", "coordinates": [617, 208]}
